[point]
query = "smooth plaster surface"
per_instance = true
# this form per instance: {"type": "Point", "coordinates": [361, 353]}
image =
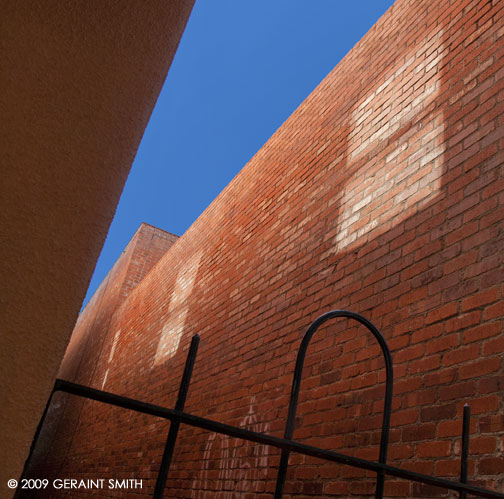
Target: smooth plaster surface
{"type": "Point", "coordinates": [78, 83]}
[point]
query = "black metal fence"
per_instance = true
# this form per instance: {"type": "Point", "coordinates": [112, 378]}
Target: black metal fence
{"type": "Point", "coordinates": [177, 416]}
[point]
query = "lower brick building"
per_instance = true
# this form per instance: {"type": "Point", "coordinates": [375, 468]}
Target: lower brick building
{"type": "Point", "coordinates": [382, 194]}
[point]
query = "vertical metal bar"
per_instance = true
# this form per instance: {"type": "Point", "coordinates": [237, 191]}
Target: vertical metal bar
{"type": "Point", "coordinates": [387, 409]}
{"type": "Point", "coordinates": [464, 451]}
{"type": "Point", "coordinates": [296, 383]}
{"type": "Point", "coordinates": [174, 425]}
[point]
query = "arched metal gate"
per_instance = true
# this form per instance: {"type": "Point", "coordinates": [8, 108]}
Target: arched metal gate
{"type": "Point", "coordinates": [177, 416]}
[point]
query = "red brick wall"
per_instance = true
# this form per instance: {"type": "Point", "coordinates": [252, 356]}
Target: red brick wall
{"type": "Point", "coordinates": [144, 250]}
{"type": "Point", "coordinates": [381, 194]}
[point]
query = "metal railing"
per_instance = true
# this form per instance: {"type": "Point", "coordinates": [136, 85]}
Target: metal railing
{"type": "Point", "coordinates": [177, 416]}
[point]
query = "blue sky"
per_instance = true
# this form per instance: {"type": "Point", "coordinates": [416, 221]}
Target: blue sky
{"type": "Point", "coordinates": [241, 69]}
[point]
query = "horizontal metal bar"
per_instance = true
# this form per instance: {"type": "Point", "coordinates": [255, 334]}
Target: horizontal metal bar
{"type": "Point", "coordinates": [261, 438]}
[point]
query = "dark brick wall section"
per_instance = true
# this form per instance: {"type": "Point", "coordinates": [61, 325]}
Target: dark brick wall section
{"type": "Point", "coordinates": [383, 193]}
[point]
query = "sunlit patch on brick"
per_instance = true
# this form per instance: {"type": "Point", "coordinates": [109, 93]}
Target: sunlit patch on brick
{"type": "Point", "coordinates": [179, 309]}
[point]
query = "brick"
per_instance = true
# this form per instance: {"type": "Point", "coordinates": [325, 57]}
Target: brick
{"type": "Point", "coordinates": [440, 285]}
{"type": "Point", "coordinates": [491, 466]}
{"type": "Point", "coordinates": [419, 432]}
{"type": "Point", "coordinates": [441, 376]}
{"type": "Point", "coordinates": [489, 403]}
{"type": "Point", "coordinates": [491, 424]}
{"type": "Point", "coordinates": [424, 364]}
{"type": "Point", "coordinates": [482, 332]}
{"type": "Point", "coordinates": [485, 238]}
{"type": "Point", "coordinates": [483, 266]}
{"type": "Point", "coordinates": [463, 321]}
{"type": "Point", "coordinates": [480, 209]}
{"type": "Point", "coordinates": [479, 299]}
{"type": "Point", "coordinates": [397, 489]}
{"type": "Point", "coordinates": [494, 311]}
{"type": "Point", "coordinates": [401, 418]}
{"type": "Point", "coordinates": [461, 354]}
{"type": "Point", "coordinates": [427, 333]}
{"type": "Point", "coordinates": [493, 346]}
{"type": "Point", "coordinates": [492, 278]}
{"type": "Point", "coordinates": [446, 342]}
{"type": "Point", "coordinates": [462, 233]}
{"type": "Point", "coordinates": [467, 202]}
{"type": "Point", "coordinates": [434, 449]}
{"type": "Point", "coordinates": [441, 313]}
{"type": "Point", "coordinates": [423, 490]}
{"type": "Point", "coordinates": [447, 468]}
{"type": "Point", "coordinates": [491, 384]}
{"type": "Point", "coordinates": [457, 391]}
{"type": "Point", "coordinates": [463, 288]}
{"type": "Point", "coordinates": [449, 429]}
{"type": "Point", "coordinates": [410, 353]}
{"type": "Point", "coordinates": [480, 368]}
{"type": "Point", "coordinates": [483, 445]}
{"type": "Point", "coordinates": [460, 262]}
{"type": "Point", "coordinates": [438, 413]}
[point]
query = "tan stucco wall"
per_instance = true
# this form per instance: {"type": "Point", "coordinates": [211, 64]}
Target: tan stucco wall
{"type": "Point", "coordinates": [78, 84]}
